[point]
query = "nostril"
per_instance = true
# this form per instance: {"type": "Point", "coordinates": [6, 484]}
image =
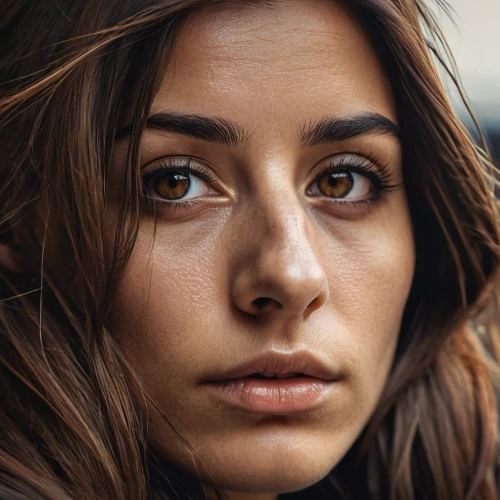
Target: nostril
{"type": "Point", "coordinates": [261, 302]}
{"type": "Point", "coordinates": [315, 304]}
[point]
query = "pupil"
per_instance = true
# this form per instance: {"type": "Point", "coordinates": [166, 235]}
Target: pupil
{"type": "Point", "coordinates": [336, 184]}
{"type": "Point", "coordinates": [172, 186]}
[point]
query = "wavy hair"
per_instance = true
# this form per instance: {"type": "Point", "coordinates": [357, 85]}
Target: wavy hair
{"type": "Point", "coordinates": [70, 425]}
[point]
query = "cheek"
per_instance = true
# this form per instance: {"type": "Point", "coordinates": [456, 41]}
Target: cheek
{"type": "Point", "coordinates": [370, 274]}
{"type": "Point", "coordinates": [169, 293]}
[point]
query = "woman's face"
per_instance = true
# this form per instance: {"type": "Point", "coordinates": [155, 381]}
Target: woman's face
{"type": "Point", "coordinates": [295, 254]}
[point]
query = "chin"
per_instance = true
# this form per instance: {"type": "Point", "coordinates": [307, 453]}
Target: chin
{"type": "Point", "coordinates": [279, 468]}
{"type": "Point", "coordinates": [273, 477]}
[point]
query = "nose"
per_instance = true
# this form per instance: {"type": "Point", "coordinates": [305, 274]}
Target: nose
{"type": "Point", "coordinates": [278, 271]}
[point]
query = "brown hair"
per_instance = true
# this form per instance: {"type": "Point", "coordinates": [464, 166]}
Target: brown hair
{"type": "Point", "coordinates": [70, 425]}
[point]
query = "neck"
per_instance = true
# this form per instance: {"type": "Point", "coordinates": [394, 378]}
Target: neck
{"type": "Point", "coordinates": [238, 495]}
{"type": "Point", "coordinates": [241, 495]}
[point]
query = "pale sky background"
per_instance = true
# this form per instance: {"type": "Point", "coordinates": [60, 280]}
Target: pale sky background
{"type": "Point", "coordinates": [476, 47]}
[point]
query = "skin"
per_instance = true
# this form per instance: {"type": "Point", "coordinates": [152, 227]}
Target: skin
{"type": "Point", "coordinates": [338, 274]}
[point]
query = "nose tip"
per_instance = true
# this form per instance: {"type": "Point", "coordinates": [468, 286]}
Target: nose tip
{"type": "Point", "coordinates": [290, 292]}
{"type": "Point", "coordinates": [282, 295]}
{"type": "Point", "coordinates": [282, 274]}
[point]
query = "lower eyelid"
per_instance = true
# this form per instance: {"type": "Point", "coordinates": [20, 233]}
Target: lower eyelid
{"type": "Point", "coordinates": [332, 208]}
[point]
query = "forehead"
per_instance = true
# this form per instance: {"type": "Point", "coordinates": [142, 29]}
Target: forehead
{"type": "Point", "coordinates": [289, 60]}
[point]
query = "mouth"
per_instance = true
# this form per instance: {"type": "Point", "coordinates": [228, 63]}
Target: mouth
{"type": "Point", "coordinates": [276, 384]}
{"type": "Point", "coordinates": [275, 375]}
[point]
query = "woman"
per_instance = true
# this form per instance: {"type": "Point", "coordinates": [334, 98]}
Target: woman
{"type": "Point", "coordinates": [247, 251]}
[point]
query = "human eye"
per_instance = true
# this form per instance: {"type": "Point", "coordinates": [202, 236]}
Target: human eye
{"type": "Point", "coordinates": [354, 179]}
{"type": "Point", "coordinates": [177, 182]}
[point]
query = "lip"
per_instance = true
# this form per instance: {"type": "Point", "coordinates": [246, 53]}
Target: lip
{"type": "Point", "coordinates": [276, 396]}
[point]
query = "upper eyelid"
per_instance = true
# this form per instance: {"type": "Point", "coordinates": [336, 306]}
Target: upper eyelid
{"type": "Point", "coordinates": [365, 158]}
{"type": "Point", "coordinates": [186, 164]}
{"type": "Point", "coordinates": [159, 159]}
{"type": "Point", "coordinates": [376, 171]}
{"type": "Point", "coordinates": [372, 159]}
{"type": "Point", "coordinates": [367, 165]}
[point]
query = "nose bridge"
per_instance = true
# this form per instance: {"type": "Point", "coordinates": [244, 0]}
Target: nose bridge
{"type": "Point", "coordinates": [284, 234]}
{"type": "Point", "coordinates": [282, 271]}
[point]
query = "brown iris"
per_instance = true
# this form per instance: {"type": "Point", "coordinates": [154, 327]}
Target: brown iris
{"type": "Point", "coordinates": [172, 186]}
{"type": "Point", "coordinates": [336, 184]}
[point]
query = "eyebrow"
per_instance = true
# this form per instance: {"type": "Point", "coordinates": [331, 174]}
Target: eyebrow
{"type": "Point", "coordinates": [211, 129]}
{"type": "Point", "coordinates": [226, 132]}
{"type": "Point", "coordinates": [332, 129]}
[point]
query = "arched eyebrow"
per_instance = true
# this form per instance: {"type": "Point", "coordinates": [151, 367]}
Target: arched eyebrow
{"type": "Point", "coordinates": [229, 133]}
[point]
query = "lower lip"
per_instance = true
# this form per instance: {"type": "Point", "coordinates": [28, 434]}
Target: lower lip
{"type": "Point", "coordinates": [274, 396]}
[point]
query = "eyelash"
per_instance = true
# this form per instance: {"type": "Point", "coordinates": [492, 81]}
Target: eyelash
{"type": "Point", "coordinates": [181, 167]}
{"type": "Point", "coordinates": [376, 172]}
{"type": "Point", "coordinates": [371, 167]}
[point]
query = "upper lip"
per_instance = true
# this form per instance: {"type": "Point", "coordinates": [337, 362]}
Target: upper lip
{"type": "Point", "coordinates": [302, 362]}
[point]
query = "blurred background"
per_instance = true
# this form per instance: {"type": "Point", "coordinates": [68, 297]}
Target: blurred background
{"type": "Point", "coordinates": [475, 42]}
